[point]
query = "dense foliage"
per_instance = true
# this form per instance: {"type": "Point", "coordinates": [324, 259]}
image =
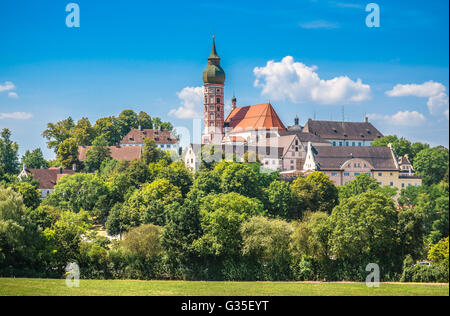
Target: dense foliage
{"type": "Point", "coordinates": [228, 221]}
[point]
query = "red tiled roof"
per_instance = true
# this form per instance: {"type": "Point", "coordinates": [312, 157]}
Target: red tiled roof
{"type": "Point", "coordinates": [254, 117]}
{"type": "Point", "coordinates": [136, 136]}
{"type": "Point", "coordinates": [117, 152]}
{"type": "Point", "coordinates": [48, 177]}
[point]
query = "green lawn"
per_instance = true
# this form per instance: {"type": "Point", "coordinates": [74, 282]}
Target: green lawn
{"type": "Point", "coordinates": [44, 287]}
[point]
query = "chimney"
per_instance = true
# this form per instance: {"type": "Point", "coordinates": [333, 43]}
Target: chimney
{"type": "Point", "coordinates": [74, 167]}
{"type": "Point", "coordinates": [60, 170]}
{"type": "Point", "coordinates": [140, 127]}
{"type": "Point", "coordinates": [366, 119]}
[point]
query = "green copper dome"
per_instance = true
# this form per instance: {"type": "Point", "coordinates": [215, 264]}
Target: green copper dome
{"type": "Point", "coordinates": [214, 73]}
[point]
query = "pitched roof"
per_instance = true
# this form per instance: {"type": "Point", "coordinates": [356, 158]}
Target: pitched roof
{"type": "Point", "coordinates": [117, 152]}
{"type": "Point", "coordinates": [306, 137]}
{"type": "Point", "coordinates": [254, 117]}
{"type": "Point", "coordinates": [265, 151]}
{"type": "Point", "coordinates": [48, 177]}
{"type": "Point", "coordinates": [332, 158]}
{"type": "Point", "coordinates": [403, 160]}
{"type": "Point", "coordinates": [343, 130]}
{"type": "Point", "coordinates": [136, 136]}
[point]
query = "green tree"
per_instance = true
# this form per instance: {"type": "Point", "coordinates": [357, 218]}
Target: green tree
{"type": "Point", "coordinates": [81, 191]}
{"type": "Point", "coordinates": [35, 159]}
{"type": "Point", "coordinates": [439, 253]}
{"type": "Point", "coordinates": [144, 241]}
{"type": "Point", "coordinates": [97, 154]}
{"type": "Point", "coordinates": [315, 193]}
{"type": "Point", "coordinates": [57, 133]}
{"type": "Point", "coordinates": [411, 232]}
{"type": "Point", "coordinates": [83, 132]}
{"type": "Point", "coordinates": [126, 121]}
{"type": "Point", "coordinates": [360, 184]}
{"type": "Point", "coordinates": [239, 178]}
{"type": "Point", "coordinates": [182, 230]}
{"type": "Point", "coordinates": [145, 121]}
{"type": "Point", "coordinates": [279, 199]}
{"type": "Point", "coordinates": [178, 175]}
{"type": "Point", "coordinates": [432, 164]}
{"type": "Point", "coordinates": [151, 153]}
{"type": "Point", "coordinates": [147, 205]}
{"type": "Point", "coordinates": [221, 216]}
{"type": "Point", "coordinates": [30, 193]}
{"type": "Point", "coordinates": [268, 241]}
{"type": "Point", "coordinates": [64, 239]}
{"type": "Point", "coordinates": [109, 129]}
{"type": "Point", "coordinates": [68, 153]}
{"type": "Point", "coordinates": [311, 236]}
{"type": "Point", "coordinates": [20, 241]}
{"type": "Point", "coordinates": [138, 173]}
{"type": "Point", "coordinates": [365, 231]}
{"type": "Point", "coordinates": [9, 162]}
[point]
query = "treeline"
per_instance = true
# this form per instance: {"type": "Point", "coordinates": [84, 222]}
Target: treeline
{"type": "Point", "coordinates": [229, 221]}
{"type": "Point", "coordinates": [64, 137]}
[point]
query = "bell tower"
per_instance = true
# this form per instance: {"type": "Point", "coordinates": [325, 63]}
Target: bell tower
{"type": "Point", "coordinates": [214, 84]}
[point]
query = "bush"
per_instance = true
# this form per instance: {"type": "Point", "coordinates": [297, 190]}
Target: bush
{"type": "Point", "coordinates": [426, 274]}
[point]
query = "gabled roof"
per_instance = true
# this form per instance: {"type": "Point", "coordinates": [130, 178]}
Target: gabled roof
{"type": "Point", "coordinates": [238, 149]}
{"type": "Point", "coordinates": [343, 130]}
{"type": "Point", "coordinates": [129, 153]}
{"type": "Point", "coordinates": [254, 117]}
{"type": "Point", "coordinates": [48, 177]}
{"type": "Point", "coordinates": [404, 160]}
{"type": "Point", "coordinates": [137, 136]}
{"type": "Point", "coordinates": [306, 137]}
{"type": "Point", "coordinates": [333, 158]}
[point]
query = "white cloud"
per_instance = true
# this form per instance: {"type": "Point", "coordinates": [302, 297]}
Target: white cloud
{"type": "Point", "coordinates": [13, 95]}
{"type": "Point", "coordinates": [319, 24]}
{"type": "Point", "coordinates": [192, 103]}
{"type": "Point", "coordinates": [16, 116]}
{"type": "Point", "coordinates": [7, 86]}
{"type": "Point", "coordinates": [402, 118]}
{"type": "Point", "coordinates": [438, 104]}
{"type": "Point", "coordinates": [425, 90]}
{"type": "Point", "coordinates": [299, 83]}
{"type": "Point", "coordinates": [438, 100]}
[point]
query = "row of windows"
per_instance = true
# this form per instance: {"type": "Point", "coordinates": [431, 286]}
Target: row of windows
{"type": "Point", "coordinates": [211, 100]}
{"type": "Point", "coordinates": [167, 146]}
{"type": "Point", "coordinates": [348, 174]}
{"type": "Point", "coordinates": [380, 174]}
{"type": "Point", "coordinates": [210, 91]}
{"type": "Point", "coordinates": [353, 144]}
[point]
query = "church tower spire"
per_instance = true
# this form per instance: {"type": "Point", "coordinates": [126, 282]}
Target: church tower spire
{"type": "Point", "coordinates": [214, 84]}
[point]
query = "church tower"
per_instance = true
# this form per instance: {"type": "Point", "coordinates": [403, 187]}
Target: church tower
{"type": "Point", "coordinates": [214, 84]}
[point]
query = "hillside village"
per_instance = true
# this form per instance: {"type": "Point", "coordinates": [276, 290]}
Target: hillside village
{"type": "Point", "coordinates": [258, 199]}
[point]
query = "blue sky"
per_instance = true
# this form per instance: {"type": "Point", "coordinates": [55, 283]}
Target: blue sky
{"type": "Point", "coordinates": [141, 54]}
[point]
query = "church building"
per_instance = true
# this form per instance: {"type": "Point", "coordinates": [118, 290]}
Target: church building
{"type": "Point", "coordinates": [340, 149]}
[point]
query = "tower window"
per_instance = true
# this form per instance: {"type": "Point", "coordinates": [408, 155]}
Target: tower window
{"type": "Point", "coordinates": [218, 100]}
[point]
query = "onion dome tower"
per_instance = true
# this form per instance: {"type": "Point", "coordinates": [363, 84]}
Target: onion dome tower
{"type": "Point", "coordinates": [214, 84]}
